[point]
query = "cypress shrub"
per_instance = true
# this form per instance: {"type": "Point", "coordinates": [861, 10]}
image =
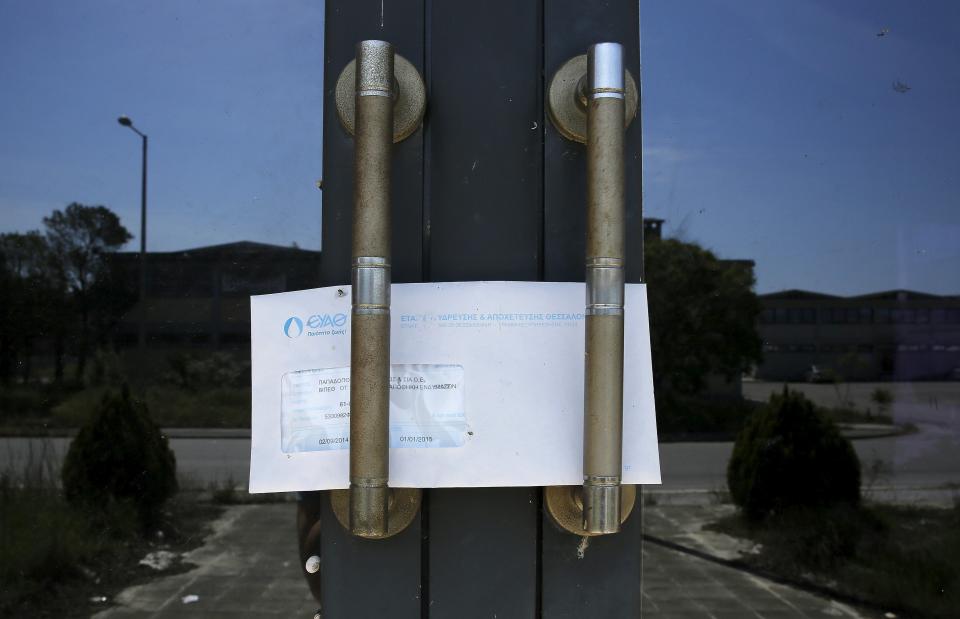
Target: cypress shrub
{"type": "Point", "coordinates": [119, 459]}
{"type": "Point", "coordinates": [789, 456]}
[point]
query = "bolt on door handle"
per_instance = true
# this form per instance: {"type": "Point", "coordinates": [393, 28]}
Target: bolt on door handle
{"type": "Point", "coordinates": [380, 100]}
{"type": "Point", "coordinates": [594, 108]}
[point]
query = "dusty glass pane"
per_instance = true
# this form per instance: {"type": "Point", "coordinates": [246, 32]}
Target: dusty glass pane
{"type": "Point", "coordinates": [802, 259]}
{"type": "Point", "coordinates": [814, 144]}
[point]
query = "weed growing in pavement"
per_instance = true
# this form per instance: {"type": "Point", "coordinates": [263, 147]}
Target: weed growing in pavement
{"type": "Point", "coordinates": [57, 558]}
{"type": "Point", "coordinates": [904, 558]}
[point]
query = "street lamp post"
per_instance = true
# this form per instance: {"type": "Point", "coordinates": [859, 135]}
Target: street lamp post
{"type": "Point", "coordinates": [142, 329]}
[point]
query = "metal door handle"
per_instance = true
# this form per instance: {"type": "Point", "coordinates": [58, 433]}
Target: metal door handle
{"type": "Point", "coordinates": [607, 97]}
{"type": "Point", "coordinates": [380, 100]}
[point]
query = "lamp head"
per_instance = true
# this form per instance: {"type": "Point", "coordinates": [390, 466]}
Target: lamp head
{"type": "Point", "coordinates": [125, 121]}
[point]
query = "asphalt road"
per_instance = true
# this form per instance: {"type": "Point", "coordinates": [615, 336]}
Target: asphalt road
{"type": "Point", "coordinates": [928, 458]}
{"type": "Point", "coordinates": [200, 461]}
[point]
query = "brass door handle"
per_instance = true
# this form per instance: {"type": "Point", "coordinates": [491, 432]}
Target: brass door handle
{"type": "Point", "coordinates": [380, 100]}
{"type": "Point", "coordinates": [594, 108]}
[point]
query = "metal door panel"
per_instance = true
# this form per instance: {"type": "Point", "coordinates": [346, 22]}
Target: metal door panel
{"type": "Point", "coordinates": [369, 578]}
{"type": "Point", "coordinates": [486, 190]}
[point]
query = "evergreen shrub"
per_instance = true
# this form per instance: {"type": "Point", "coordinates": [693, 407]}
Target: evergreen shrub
{"type": "Point", "coordinates": [788, 455]}
{"type": "Point", "coordinates": [120, 459]}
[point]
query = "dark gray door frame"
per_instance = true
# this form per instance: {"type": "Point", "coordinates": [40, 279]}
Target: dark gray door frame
{"type": "Point", "coordinates": [486, 190]}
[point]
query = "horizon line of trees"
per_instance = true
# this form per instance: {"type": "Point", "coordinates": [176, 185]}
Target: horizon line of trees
{"type": "Point", "coordinates": [56, 287]}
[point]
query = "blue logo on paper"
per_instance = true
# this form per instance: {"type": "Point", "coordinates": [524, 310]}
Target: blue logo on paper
{"type": "Point", "coordinates": [322, 321]}
{"type": "Point", "coordinates": [293, 327]}
{"type": "Point", "coordinates": [317, 324]}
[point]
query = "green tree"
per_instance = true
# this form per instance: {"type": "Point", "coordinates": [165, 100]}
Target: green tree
{"type": "Point", "coordinates": [79, 236]}
{"type": "Point", "coordinates": [703, 315]}
{"type": "Point", "coordinates": [33, 303]}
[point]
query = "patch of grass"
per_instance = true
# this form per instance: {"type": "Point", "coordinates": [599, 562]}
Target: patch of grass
{"type": "Point", "coordinates": [170, 407]}
{"type": "Point", "coordinates": [720, 496]}
{"type": "Point", "coordinates": [687, 418]}
{"type": "Point", "coordinates": [906, 559]}
{"type": "Point", "coordinates": [229, 492]}
{"type": "Point", "coordinates": [29, 401]}
{"type": "Point", "coordinates": [224, 493]}
{"type": "Point", "coordinates": [42, 539]}
{"type": "Point", "coordinates": [849, 414]}
{"type": "Point", "coordinates": [54, 557]}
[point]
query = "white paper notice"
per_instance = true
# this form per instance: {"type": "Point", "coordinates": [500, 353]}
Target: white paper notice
{"type": "Point", "coordinates": [486, 387]}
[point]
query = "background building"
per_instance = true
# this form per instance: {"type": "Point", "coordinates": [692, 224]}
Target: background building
{"type": "Point", "coordinates": [201, 296]}
{"type": "Point", "coordinates": [893, 335]}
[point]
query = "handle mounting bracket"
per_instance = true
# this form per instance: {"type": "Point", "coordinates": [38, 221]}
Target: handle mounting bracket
{"type": "Point", "coordinates": [565, 506]}
{"type": "Point", "coordinates": [409, 104]}
{"type": "Point", "coordinates": [566, 99]}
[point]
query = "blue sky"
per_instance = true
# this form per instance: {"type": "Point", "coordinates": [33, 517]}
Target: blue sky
{"type": "Point", "coordinates": [772, 129]}
{"type": "Point", "coordinates": [230, 93]}
{"type": "Point", "coordinates": [773, 132]}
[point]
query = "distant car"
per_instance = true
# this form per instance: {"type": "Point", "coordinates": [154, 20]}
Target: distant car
{"type": "Point", "coordinates": [817, 374]}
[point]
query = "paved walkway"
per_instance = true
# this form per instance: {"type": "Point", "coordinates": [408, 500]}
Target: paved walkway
{"type": "Point", "coordinates": [677, 585]}
{"type": "Point", "coordinates": [247, 568]}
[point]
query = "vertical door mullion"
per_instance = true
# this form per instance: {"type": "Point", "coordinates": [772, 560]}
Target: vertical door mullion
{"type": "Point", "coordinates": [485, 194]}
{"type": "Point", "coordinates": [599, 577]}
{"type": "Point", "coordinates": [369, 578]}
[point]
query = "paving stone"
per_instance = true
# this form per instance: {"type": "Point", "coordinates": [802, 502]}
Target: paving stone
{"type": "Point", "coordinates": [704, 590]}
{"type": "Point", "coordinates": [249, 568]}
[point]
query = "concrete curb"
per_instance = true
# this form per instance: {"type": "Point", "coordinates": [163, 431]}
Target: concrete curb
{"type": "Point", "coordinates": [928, 496]}
{"type": "Point", "coordinates": [178, 433]}
{"type": "Point", "coordinates": [852, 431]}
{"type": "Point", "coordinates": [206, 432]}
{"type": "Point", "coordinates": [859, 431]}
